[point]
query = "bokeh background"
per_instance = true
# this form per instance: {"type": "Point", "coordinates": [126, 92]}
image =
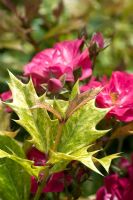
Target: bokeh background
{"type": "Point", "coordinates": [27, 27]}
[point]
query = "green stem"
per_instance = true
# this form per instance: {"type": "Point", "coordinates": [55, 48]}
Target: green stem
{"type": "Point", "coordinates": [42, 185]}
{"type": "Point", "coordinates": [58, 136]}
{"type": "Point", "coordinates": [94, 61]}
{"type": "Point", "coordinates": [107, 145]}
{"type": "Point", "coordinates": [56, 195]}
{"type": "Point", "coordinates": [120, 144]}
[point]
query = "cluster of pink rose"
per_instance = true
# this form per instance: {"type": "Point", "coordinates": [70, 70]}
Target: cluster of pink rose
{"type": "Point", "coordinates": [118, 187]}
{"type": "Point", "coordinates": [52, 69]}
{"type": "Point", "coordinates": [55, 67]}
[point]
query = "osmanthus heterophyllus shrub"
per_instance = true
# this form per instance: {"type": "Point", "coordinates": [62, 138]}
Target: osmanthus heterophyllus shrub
{"type": "Point", "coordinates": [66, 136]}
{"type": "Point", "coordinates": [60, 108]}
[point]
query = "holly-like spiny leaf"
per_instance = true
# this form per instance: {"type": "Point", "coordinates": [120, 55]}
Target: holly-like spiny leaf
{"type": "Point", "coordinates": [36, 121]}
{"type": "Point", "coordinates": [75, 91]}
{"type": "Point", "coordinates": [9, 133]}
{"type": "Point", "coordinates": [84, 156]}
{"type": "Point", "coordinates": [106, 161]}
{"type": "Point", "coordinates": [80, 129]}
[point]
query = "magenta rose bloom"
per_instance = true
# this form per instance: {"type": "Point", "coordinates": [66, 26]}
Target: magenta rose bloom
{"type": "Point", "coordinates": [64, 58]}
{"type": "Point", "coordinates": [55, 183]}
{"type": "Point", "coordinates": [38, 157]}
{"type": "Point", "coordinates": [128, 166]}
{"type": "Point", "coordinates": [118, 95]}
{"type": "Point", "coordinates": [113, 189]}
{"type": "Point", "coordinates": [5, 96]}
{"type": "Point", "coordinates": [116, 187]}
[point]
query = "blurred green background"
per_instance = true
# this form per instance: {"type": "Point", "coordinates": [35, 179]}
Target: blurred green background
{"type": "Point", "coordinates": [27, 27]}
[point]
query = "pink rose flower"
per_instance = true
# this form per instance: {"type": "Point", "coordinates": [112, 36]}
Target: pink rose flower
{"type": "Point", "coordinates": [38, 157]}
{"type": "Point", "coordinates": [114, 188]}
{"type": "Point", "coordinates": [55, 182]}
{"type": "Point", "coordinates": [118, 95]}
{"type": "Point", "coordinates": [119, 188]}
{"type": "Point", "coordinates": [64, 58]}
{"type": "Point", "coordinates": [124, 164]}
{"type": "Point", "coordinates": [5, 96]}
{"type": "Point", "coordinates": [54, 85]}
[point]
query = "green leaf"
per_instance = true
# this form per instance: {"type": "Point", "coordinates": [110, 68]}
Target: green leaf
{"type": "Point", "coordinates": [9, 133]}
{"type": "Point", "coordinates": [5, 122]}
{"type": "Point", "coordinates": [75, 91]}
{"type": "Point", "coordinates": [7, 151]}
{"type": "Point", "coordinates": [80, 128]}
{"type": "Point", "coordinates": [106, 161]}
{"type": "Point", "coordinates": [26, 164]}
{"type": "Point", "coordinates": [81, 155]}
{"type": "Point", "coordinates": [36, 121]}
{"type": "Point", "coordinates": [14, 181]}
{"type": "Point", "coordinates": [60, 106]}
{"type": "Point", "coordinates": [4, 118]}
